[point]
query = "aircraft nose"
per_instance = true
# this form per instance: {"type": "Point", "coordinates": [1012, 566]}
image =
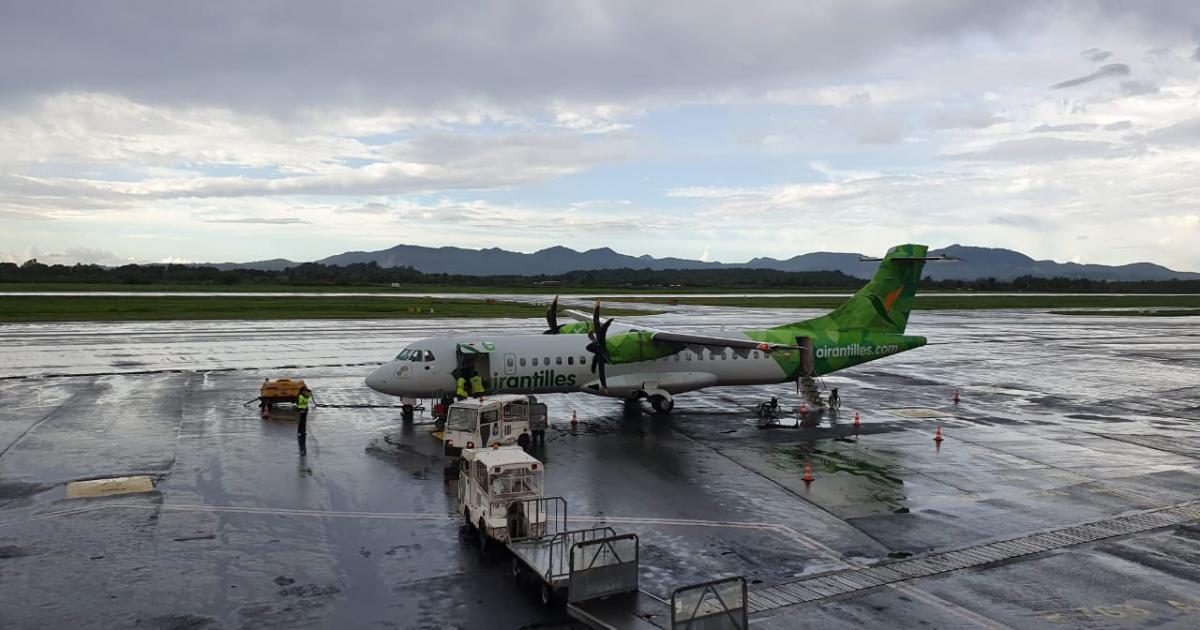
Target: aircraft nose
{"type": "Point", "coordinates": [378, 379]}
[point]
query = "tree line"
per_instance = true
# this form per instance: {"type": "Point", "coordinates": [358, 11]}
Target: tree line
{"type": "Point", "coordinates": [371, 274]}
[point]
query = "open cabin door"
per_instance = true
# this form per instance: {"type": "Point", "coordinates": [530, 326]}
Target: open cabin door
{"type": "Point", "coordinates": [477, 356]}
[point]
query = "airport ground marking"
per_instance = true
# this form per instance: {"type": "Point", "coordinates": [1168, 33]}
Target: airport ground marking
{"type": "Point", "coordinates": [948, 606]}
{"type": "Point", "coordinates": [841, 584]}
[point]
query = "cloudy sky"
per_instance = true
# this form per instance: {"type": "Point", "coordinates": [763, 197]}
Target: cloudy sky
{"type": "Point", "coordinates": [210, 131]}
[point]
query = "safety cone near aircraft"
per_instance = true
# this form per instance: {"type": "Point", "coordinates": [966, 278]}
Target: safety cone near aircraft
{"type": "Point", "coordinates": [808, 473]}
{"type": "Point", "coordinates": [857, 422]}
{"type": "Point", "coordinates": [629, 361]}
{"type": "Point", "coordinates": [937, 436]}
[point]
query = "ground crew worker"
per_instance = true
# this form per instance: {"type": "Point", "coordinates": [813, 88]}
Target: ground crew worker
{"type": "Point", "coordinates": [460, 386]}
{"type": "Point", "coordinates": [476, 384]}
{"type": "Point", "coordinates": [835, 401]}
{"type": "Point", "coordinates": [302, 402]}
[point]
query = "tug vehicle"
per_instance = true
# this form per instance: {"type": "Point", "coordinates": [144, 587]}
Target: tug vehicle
{"type": "Point", "coordinates": [493, 421]}
{"type": "Point", "coordinates": [494, 488]}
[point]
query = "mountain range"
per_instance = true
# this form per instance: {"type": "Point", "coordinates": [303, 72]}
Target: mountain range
{"type": "Point", "coordinates": [976, 262]}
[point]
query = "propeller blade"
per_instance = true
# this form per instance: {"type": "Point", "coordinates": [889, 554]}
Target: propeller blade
{"type": "Point", "coordinates": [599, 346]}
{"type": "Point", "coordinates": [552, 318]}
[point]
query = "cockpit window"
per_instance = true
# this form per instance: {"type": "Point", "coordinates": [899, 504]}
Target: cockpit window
{"type": "Point", "coordinates": [416, 356]}
{"type": "Point", "coordinates": [428, 355]}
{"type": "Point", "coordinates": [403, 356]}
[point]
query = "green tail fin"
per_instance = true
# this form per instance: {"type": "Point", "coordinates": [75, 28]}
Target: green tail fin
{"type": "Point", "coordinates": [884, 304]}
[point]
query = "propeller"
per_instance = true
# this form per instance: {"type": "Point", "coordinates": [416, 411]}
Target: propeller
{"type": "Point", "coordinates": [599, 346]}
{"type": "Point", "coordinates": [552, 318]}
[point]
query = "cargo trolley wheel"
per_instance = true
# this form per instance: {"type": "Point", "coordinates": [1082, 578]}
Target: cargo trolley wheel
{"type": "Point", "coordinates": [547, 595]}
{"type": "Point", "coordinates": [516, 570]}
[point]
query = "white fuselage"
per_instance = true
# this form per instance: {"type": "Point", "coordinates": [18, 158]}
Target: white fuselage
{"type": "Point", "coordinates": [539, 364]}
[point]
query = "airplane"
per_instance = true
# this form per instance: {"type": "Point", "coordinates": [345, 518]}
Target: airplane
{"type": "Point", "coordinates": [633, 362]}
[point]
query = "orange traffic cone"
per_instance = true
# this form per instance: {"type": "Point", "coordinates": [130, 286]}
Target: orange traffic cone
{"type": "Point", "coordinates": [808, 473]}
{"type": "Point", "coordinates": [574, 418]}
{"type": "Point", "coordinates": [937, 436]}
{"type": "Point", "coordinates": [956, 398]}
{"type": "Point", "coordinates": [857, 422]}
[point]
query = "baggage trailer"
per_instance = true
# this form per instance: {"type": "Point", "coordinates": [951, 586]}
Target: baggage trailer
{"type": "Point", "coordinates": [571, 565]}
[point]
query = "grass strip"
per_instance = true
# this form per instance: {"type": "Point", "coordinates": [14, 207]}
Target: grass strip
{"type": "Point", "coordinates": [138, 308]}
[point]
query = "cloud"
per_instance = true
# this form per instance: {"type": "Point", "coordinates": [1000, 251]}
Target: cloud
{"type": "Point", "coordinates": [1110, 70]}
{"type": "Point", "coordinates": [1039, 149]}
{"type": "Point", "coordinates": [964, 118]}
{"type": "Point", "coordinates": [260, 220]}
{"type": "Point", "coordinates": [455, 55]}
{"type": "Point", "coordinates": [1183, 133]}
{"type": "Point", "coordinates": [1138, 88]}
{"type": "Point", "coordinates": [70, 256]}
{"type": "Point", "coordinates": [1097, 55]}
{"type": "Point", "coordinates": [367, 208]}
{"type": "Point", "coordinates": [1064, 128]}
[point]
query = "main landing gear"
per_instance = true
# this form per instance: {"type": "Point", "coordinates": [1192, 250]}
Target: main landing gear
{"type": "Point", "coordinates": [662, 403]}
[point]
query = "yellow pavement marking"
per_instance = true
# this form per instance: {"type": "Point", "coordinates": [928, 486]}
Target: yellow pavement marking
{"type": "Point", "coordinates": [106, 487]}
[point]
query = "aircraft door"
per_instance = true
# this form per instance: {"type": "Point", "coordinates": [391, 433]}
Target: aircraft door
{"type": "Point", "coordinates": [510, 364]}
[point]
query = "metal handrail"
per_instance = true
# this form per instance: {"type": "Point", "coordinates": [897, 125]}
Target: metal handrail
{"type": "Point", "coordinates": [736, 614]}
{"type": "Point", "coordinates": [555, 509]}
{"type": "Point", "coordinates": [609, 542]}
{"type": "Point", "coordinates": [562, 550]}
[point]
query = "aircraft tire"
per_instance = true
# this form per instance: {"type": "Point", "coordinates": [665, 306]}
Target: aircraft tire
{"type": "Point", "coordinates": [406, 412]}
{"type": "Point", "coordinates": [662, 404]}
{"type": "Point", "coordinates": [523, 441]}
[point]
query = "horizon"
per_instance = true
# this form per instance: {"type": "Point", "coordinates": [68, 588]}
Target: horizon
{"type": "Point", "coordinates": [1066, 132]}
{"type": "Point", "coordinates": [610, 249]}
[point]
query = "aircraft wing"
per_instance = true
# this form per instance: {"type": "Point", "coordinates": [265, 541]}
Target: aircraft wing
{"type": "Point", "coordinates": [717, 342]}
{"type": "Point", "coordinates": [707, 341]}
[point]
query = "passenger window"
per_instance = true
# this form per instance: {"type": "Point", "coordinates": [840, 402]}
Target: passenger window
{"type": "Point", "coordinates": [522, 361]}
{"type": "Point", "coordinates": [583, 360]}
{"type": "Point", "coordinates": [755, 354]}
{"type": "Point", "coordinates": [571, 360]}
{"type": "Point", "coordinates": [428, 355]}
{"type": "Point", "coordinates": [509, 361]}
{"type": "Point", "coordinates": [733, 354]}
{"type": "Point", "coordinates": [557, 360]}
{"type": "Point", "coordinates": [534, 361]}
{"type": "Point", "coordinates": [688, 356]}
{"type": "Point", "coordinates": [545, 360]}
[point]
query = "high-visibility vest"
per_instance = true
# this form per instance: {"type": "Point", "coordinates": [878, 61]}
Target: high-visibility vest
{"type": "Point", "coordinates": [476, 384]}
{"type": "Point", "coordinates": [302, 402]}
{"type": "Point", "coordinates": [461, 383]}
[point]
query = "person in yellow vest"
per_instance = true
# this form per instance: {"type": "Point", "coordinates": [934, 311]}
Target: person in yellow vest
{"type": "Point", "coordinates": [302, 403]}
{"type": "Point", "coordinates": [460, 384]}
{"type": "Point", "coordinates": [476, 384]}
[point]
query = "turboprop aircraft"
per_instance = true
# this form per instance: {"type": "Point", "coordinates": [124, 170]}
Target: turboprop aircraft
{"type": "Point", "coordinates": [631, 362]}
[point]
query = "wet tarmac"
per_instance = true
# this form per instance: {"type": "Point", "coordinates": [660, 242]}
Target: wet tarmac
{"type": "Point", "coordinates": [1063, 420]}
